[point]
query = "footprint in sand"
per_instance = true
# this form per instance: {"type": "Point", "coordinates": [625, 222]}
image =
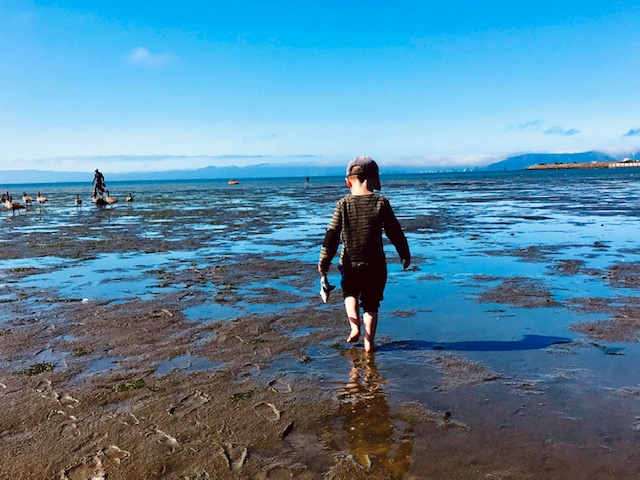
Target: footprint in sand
{"type": "Point", "coordinates": [46, 391]}
{"type": "Point", "coordinates": [130, 420]}
{"type": "Point", "coordinates": [115, 454]}
{"type": "Point", "coordinates": [249, 370]}
{"type": "Point", "coordinates": [68, 426]}
{"type": "Point", "coordinates": [69, 429]}
{"type": "Point", "coordinates": [44, 388]}
{"type": "Point", "coordinates": [188, 404]}
{"type": "Point", "coordinates": [68, 401]}
{"type": "Point", "coordinates": [92, 467]}
{"type": "Point", "coordinates": [268, 411]}
{"type": "Point", "coordinates": [162, 437]}
{"type": "Point", "coordinates": [236, 455]}
{"type": "Point", "coordinates": [279, 386]}
{"type": "Point", "coordinates": [277, 472]}
{"type": "Point", "coordinates": [89, 469]}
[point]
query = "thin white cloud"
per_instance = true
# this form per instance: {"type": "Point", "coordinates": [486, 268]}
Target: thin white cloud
{"type": "Point", "coordinates": [561, 131]}
{"type": "Point", "coordinates": [634, 132]}
{"type": "Point", "coordinates": [530, 125]}
{"type": "Point", "coordinates": [143, 57]}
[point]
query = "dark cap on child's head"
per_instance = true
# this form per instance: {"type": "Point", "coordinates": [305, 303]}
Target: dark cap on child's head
{"type": "Point", "coordinates": [366, 168]}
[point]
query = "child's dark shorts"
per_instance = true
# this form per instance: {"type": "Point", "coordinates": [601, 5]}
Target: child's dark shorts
{"type": "Point", "coordinates": [366, 283]}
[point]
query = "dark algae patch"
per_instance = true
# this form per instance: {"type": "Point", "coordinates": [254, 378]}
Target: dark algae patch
{"type": "Point", "coordinates": [36, 369]}
{"type": "Point", "coordinates": [81, 351]}
{"type": "Point", "coordinates": [128, 385]}
{"type": "Point", "coordinates": [520, 292]}
{"type": "Point", "coordinates": [621, 322]}
{"type": "Point", "coordinates": [238, 397]}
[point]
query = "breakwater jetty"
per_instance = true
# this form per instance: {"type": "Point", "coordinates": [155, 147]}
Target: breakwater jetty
{"type": "Point", "coordinates": [626, 163]}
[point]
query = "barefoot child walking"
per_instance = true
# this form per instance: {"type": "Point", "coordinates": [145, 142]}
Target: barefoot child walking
{"type": "Point", "coordinates": [360, 218]}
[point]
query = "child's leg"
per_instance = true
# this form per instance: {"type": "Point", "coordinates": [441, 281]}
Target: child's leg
{"type": "Point", "coordinates": [370, 322]}
{"type": "Point", "coordinates": [351, 307]}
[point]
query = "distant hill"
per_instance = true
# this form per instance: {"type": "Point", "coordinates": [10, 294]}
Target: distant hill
{"type": "Point", "coordinates": [520, 162]}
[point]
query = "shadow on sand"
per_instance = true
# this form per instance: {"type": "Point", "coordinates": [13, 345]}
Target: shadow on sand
{"type": "Point", "coordinates": [529, 342]}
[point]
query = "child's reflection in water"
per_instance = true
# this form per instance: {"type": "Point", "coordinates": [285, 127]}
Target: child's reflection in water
{"type": "Point", "coordinates": [375, 438]}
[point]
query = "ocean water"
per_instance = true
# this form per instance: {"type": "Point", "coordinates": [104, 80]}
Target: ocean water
{"type": "Point", "coordinates": [469, 234]}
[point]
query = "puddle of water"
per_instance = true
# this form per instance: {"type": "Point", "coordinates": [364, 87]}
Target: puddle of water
{"type": "Point", "coordinates": [98, 367]}
{"type": "Point", "coordinates": [269, 309]}
{"type": "Point", "coordinates": [302, 332]}
{"type": "Point", "coordinates": [66, 338]}
{"type": "Point", "coordinates": [212, 312]}
{"type": "Point", "coordinates": [109, 276]}
{"type": "Point", "coordinates": [36, 263]}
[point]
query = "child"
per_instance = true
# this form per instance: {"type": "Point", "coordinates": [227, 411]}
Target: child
{"type": "Point", "coordinates": [360, 218]}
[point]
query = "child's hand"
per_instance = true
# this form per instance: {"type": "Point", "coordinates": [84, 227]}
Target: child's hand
{"type": "Point", "coordinates": [405, 263]}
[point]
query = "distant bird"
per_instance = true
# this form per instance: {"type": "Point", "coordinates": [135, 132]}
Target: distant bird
{"type": "Point", "coordinates": [100, 202]}
{"type": "Point", "coordinates": [78, 201]}
{"type": "Point", "coordinates": [11, 205]}
{"type": "Point", "coordinates": [27, 199]}
{"type": "Point", "coordinates": [41, 199]}
{"type": "Point", "coordinates": [111, 200]}
{"type": "Point", "coordinates": [129, 199]}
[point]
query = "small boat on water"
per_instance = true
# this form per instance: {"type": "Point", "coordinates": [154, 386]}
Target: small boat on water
{"type": "Point", "coordinates": [233, 182]}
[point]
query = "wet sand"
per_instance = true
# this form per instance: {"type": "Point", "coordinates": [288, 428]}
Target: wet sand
{"type": "Point", "coordinates": [204, 352]}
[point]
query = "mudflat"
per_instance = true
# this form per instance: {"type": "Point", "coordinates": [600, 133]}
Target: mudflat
{"type": "Point", "coordinates": [183, 337]}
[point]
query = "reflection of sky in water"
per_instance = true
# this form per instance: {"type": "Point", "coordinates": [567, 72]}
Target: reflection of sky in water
{"type": "Point", "coordinates": [303, 332]}
{"type": "Point", "coordinates": [109, 276]}
{"type": "Point", "coordinates": [40, 262]}
{"type": "Point", "coordinates": [212, 312]}
{"type": "Point", "coordinates": [99, 366]}
{"type": "Point", "coordinates": [270, 308]}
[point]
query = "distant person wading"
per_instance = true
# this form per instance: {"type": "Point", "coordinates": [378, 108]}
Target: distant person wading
{"type": "Point", "coordinates": [100, 185]}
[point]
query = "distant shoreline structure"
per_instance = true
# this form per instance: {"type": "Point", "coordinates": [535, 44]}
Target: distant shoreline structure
{"type": "Point", "coordinates": [626, 163]}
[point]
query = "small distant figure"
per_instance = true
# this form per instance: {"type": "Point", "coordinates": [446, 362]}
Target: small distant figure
{"type": "Point", "coordinates": [110, 200]}
{"type": "Point", "coordinates": [99, 201]}
{"type": "Point", "coordinates": [100, 185]}
{"type": "Point", "coordinates": [41, 199]}
{"type": "Point", "coordinates": [360, 219]}
{"type": "Point", "coordinates": [307, 179]}
{"type": "Point", "coordinates": [27, 199]}
{"type": "Point", "coordinates": [11, 205]}
{"type": "Point", "coordinates": [78, 200]}
{"type": "Point", "coordinates": [129, 199]}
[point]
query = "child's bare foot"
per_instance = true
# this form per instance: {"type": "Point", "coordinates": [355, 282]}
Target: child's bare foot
{"type": "Point", "coordinates": [354, 336]}
{"type": "Point", "coordinates": [369, 346]}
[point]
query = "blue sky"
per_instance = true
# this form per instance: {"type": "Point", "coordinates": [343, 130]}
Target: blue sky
{"type": "Point", "coordinates": [457, 82]}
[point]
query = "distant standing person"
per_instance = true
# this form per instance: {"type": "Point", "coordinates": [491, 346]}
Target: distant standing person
{"type": "Point", "coordinates": [360, 219]}
{"type": "Point", "coordinates": [100, 186]}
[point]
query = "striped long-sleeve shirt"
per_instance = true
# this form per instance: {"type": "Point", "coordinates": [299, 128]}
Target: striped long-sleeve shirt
{"type": "Point", "coordinates": [361, 219]}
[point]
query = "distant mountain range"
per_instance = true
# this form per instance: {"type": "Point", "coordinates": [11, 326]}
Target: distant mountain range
{"type": "Point", "coordinates": [517, 162]}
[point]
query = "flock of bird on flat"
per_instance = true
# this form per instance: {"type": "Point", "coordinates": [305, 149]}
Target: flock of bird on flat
{"type": "Point", "coordinates": [100, 202]}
